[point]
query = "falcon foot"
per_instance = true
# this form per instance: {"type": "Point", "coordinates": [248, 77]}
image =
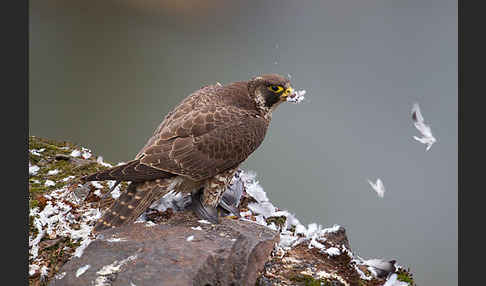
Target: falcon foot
{"type": "Point", "coordinates": [203, 212]}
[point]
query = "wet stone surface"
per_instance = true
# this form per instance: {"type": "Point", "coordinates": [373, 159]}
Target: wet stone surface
{"type": "Point", "coordinates": [179, 251]}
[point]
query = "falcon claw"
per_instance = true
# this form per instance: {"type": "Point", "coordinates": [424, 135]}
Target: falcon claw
{"type": "Point", "coordinates": [230, 208]}
{"type": "Point", "coordinates": [204, 212]}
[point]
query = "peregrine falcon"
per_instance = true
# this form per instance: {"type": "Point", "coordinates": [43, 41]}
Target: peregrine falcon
{"type": "Point", "coordinates": [199, 145]}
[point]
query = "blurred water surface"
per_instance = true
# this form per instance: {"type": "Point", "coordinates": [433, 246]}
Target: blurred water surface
{"type": "Point", "coordinates": [104, 74]}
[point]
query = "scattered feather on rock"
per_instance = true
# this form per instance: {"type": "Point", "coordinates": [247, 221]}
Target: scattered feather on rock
{"type": "Point", "coordinates": [82, 269]}
{"type": "Point", "coordinates": [380, 267]}
{"type": "Point", "coordinates": [33, 169]}
{"type": "Point", "coordinates": [393, 281]}
{"type": "Point", "coordinates": [53, 172]}
{"type": "Point", "coordinates": [49, 183]}
{"type": "Point", "coordinates": [75, 153]}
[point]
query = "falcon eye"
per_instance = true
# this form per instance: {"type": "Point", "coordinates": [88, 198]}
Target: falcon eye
{"type": "Point", "coordinates": [275, 88]}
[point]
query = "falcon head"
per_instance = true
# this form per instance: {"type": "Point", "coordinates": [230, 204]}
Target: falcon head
{"type": "Point", "coordinates": [269, 90]}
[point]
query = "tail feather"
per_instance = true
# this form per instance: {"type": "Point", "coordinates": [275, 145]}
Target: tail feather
{"type": "Point", "coordinates": [131, 171]}
{"type": "Point", "coordinates": [132, 203]}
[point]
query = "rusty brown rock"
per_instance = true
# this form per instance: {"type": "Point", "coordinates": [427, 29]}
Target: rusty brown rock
{"type": "Point", "coordinates": [230, 253]}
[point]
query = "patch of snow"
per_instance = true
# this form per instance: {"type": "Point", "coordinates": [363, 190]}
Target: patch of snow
{"type": "Point", "coordinates": [196, 228]}
{"type": "Point", "coordinates": [53, 172]}
{"type": "Point", "coordinates": [98, 193]}
{"type": "Point", "coordinates": [378, 187]}
{"type": "Point", "coordinates": [82, 269]}
{"type": "Point", "coordinates": [190, 238]}
{"type": "Point", "coordinates": [418, 120]}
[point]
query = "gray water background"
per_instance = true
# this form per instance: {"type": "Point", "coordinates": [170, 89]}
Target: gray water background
{"type": "Point", "coordinates": [103, 74]}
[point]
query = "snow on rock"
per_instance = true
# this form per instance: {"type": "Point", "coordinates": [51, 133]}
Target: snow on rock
{"type": "Point", "coordinates": [190, 238]}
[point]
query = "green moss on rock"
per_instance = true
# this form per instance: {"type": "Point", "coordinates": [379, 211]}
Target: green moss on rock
{"type": "Point", "coordinates": [55, 155]}
{"type": "Point", "coordinates": [405, 276]}
{"type": "Point", "coordinates": [308, 280]}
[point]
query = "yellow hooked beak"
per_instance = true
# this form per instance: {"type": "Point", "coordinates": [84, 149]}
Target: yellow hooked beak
{"type": "Point", "coordinates": [286, 93]}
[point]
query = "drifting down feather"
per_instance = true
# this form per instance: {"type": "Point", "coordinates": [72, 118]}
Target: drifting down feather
{"type": "Point", "coordinates": [418, 120]}
{"type": "Point", "coordinates": [378, 187]}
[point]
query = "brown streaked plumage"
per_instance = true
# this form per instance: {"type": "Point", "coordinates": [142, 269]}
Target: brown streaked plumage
{"type": "Point", "coordinates": [199, 144]}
